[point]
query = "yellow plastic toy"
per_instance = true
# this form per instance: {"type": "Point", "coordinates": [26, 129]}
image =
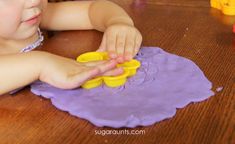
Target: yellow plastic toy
{"type": "Point", "coordinates": [90, 56]}
{"type": "Point", "coordinates": [226, 6]}
{"type": "Point", "coordinates": [93, 83]}
{"type": "Point", "coordinates": [130, 66]}
{"type": "Point", "coordinates": [115, 81]}
{"type": "Point", "coordinates": [111, 81]}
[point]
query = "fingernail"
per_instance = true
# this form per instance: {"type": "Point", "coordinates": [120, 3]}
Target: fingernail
{"type": "Point", "coordinates": [113, 55]}
{"type": "Point", "coordinates": [120, 59]}
{"type": "Point", "coordinates": [113, 61]}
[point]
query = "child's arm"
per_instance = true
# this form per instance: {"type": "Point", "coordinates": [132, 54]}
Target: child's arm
{"type": "Point", "coordinates": [71, 15]}
{"type": "Point", "coordinates": [121, 38]}
{"type": "Point", "coordinates": [78, 15]}
{"type": "Point", "coordinates": [18, 70]}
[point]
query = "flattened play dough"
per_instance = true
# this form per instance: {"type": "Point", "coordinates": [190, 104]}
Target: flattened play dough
{"type": "Point", "coordinates": [163, 83]}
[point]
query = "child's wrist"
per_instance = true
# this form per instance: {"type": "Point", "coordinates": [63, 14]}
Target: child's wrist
{"type": "Point", "coordinates": [40, 59]}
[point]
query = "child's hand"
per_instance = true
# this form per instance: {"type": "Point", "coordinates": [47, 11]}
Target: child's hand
{"type": "Point", "coordinates": [66, 73]}
{"type": "Point", "coordinates": [121, 41]}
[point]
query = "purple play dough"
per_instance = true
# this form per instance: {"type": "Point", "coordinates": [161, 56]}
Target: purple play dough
{"type": "Point", "coordinates": [163, 83]}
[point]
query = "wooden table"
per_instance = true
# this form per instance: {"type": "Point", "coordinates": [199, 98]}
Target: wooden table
{"type": "Point", "coordinates": [187, 28]}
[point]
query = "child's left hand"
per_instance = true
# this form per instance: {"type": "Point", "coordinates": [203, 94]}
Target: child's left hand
{"type": "Point", "coordinates": [121, 41]}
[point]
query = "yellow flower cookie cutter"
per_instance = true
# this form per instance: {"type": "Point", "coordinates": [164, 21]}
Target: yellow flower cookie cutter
{"type": "Point", "coordinates": [129, 67]}
{"type": "Point", "coordinates": [226, 6]}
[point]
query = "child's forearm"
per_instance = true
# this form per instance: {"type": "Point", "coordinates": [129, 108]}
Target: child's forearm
{"type": "Point", "coordinates": [103, 13]}
{"type": "Point", "coordinates": [18, 70]}
{"type": "Point", "coordinates": [81, 15]}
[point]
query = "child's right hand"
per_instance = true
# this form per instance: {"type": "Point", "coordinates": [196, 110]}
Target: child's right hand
{"type": "Point", "coordinates": [66, 73]}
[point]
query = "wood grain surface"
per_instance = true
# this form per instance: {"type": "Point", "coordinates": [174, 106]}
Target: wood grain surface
{"type": "Point", "coordinates": [189, 28]}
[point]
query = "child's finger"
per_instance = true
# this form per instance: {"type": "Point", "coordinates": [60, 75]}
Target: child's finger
{"type": "Point", "coordinates": [130, 46]}
{"type": "Point", "coordinates": [78, 79]}
{"type": "Point", "coordinates": [93, 63]}
{"type": "Point", "coordinates": [81, 77]}
{"type": "Point", "coordinates": [120, 44]}
{"type": "Point", "coordinates": [106, 66]}
{"type": "Point", "coordinates": [138, 41]}
{"type": "Point", "coordinates": [102, 47]}
{"type": "Point", "coordinates": [114, 72]}
{"type": "Point", "coordinates": [110, 45]}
